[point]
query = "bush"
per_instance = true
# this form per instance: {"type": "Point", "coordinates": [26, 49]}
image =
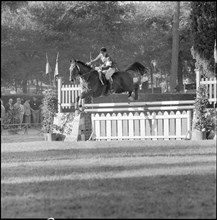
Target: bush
{"type": "Point", "coordinates": [203, 117]}
{"type": "Point", "coordinates": [49, 109]}
{"type": "Point", "coordinates": [12, 121]}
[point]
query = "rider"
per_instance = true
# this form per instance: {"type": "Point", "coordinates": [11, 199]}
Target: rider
{"type": "Point", "coordinates": [108, 66]}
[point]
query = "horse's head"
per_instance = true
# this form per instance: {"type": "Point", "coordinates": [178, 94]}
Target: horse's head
{"type": "Point", "coordinates": [77, 69]}
{"type": "Point", "coordinates": [74, 70]}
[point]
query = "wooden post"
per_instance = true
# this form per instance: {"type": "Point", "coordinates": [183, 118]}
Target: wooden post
{"type": "Point", "coordinates": [197, 71]}
{"type": "Point", "coordinates": [152, 89]}
{"type": "Point", "coordinates": [59, 86]}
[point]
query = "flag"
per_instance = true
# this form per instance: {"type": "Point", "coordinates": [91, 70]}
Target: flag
{"type": "Point", "coordinates": [56, 72]}
{"type": "Point", "coordinates": [215, 56]}
{"type": "Point", "coordinates": [48, 68]}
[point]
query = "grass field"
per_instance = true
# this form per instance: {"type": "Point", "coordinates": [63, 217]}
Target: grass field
{"type": "Point", "coordinates": [127, 179]}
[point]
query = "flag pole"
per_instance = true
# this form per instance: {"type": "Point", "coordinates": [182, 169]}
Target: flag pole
{"type": "Point", "coordinates": [215, 61]}
{"type": "Point", "coordinates": [49, 79]}
{"type": "Point", "coordinates": [56, 72]}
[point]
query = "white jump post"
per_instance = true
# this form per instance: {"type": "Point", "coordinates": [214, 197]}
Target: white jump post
{"type": "Point", "coordinates": [197, 71]}
{"type": "Point", "coordinates": [59, 86]}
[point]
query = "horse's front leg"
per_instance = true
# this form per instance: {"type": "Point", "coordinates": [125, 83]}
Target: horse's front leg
{"type": "Point", "coordinates": [77, 105]}
{"type": "Point", "coordinates": [136, 92]}
{"type": "Point", "coordinates": [80, 100]}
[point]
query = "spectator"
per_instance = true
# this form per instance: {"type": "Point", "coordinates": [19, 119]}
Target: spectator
{"type": "Point", "coordinates": [34, 104]}
{"type": "Point", "coordinates": [2, 115]}
{"type": "Point", "coordinates": [9, 106]}
{"type": "Point", "coordinates": [18, 109]}
{"type": "Point", "coordinates": [21, 112]}
{"type": "Point", "coordinates": [27, 112]}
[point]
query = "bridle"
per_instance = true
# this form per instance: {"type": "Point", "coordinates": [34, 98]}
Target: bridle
{"type": "Point", "coordinates": [71, 68]}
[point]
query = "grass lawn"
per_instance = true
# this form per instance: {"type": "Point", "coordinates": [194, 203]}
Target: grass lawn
{"type": "Point", "coordinates": [128, 179]}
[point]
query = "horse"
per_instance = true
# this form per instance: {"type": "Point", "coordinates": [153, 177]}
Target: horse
{"type": "Point", "coordinates": [95, 86]}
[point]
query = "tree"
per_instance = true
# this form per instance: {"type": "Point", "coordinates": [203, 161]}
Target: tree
{"type": "Point", "coordinates": [130, 31]}
{"type": "Point", "coordinates": [175, 48]}
{"type": "Point", "coordinates": [73, 28]}
{"type": "Point", "coordinates": [186, 64]}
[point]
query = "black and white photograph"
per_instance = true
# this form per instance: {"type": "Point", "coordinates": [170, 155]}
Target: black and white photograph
{"type": "Point", "coordinates": [108, 109]}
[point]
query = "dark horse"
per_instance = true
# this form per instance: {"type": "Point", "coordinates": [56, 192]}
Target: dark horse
{"type": "Point", "coordinates": [123, 81]}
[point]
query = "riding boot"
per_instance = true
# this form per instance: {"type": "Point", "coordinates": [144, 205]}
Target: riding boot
{"type": "Point", "coordinates": [111, 85]}
{"type": "Point", "coordinates": [106, 90]}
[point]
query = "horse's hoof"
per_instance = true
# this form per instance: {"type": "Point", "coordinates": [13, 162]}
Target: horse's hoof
{"type": "Point", "coordinates": [77, 112]}
{"type": "Point", "coordinates": [131, 98]}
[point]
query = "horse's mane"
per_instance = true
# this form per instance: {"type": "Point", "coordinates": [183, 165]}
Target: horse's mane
{"type": "Point", "coordinates": [78, 61]}
{"type": "Point", "coordinates": [138, 67]}
{"type": "Point", "coordinates": [86, 75]}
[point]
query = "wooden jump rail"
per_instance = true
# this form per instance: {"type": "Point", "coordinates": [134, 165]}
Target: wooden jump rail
{"type": "Point", "coordinates": [139, 106]}
{"type": "Point", "coordinates": [141, 103]}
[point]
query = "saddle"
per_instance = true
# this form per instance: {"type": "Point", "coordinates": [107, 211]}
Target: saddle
{"type": "Point", "coordinates": [107, 74]}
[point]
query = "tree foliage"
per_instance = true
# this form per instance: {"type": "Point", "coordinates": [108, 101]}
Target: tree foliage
{"type": "Point", "coordinates": [131, 31]}
{"type": "Point", "coordinates": [203, 26]}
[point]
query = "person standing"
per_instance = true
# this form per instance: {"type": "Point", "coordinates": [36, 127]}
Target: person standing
{"type": "Point", "coordinates": [34, 104]}
{"type": "Point", "coordinates": [27, 112]}
{"type": "Point", "coordinates": [9, 106]}
{"type": "Point", "coordinates": [2, 115]}
{"type": "Point", "coordinates": [21, 112]}
{"type": "Point", "coordinates": [18, 110]}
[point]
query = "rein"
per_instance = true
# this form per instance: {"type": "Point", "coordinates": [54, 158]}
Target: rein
{"type": "Point", "coordinates": [83, 77]}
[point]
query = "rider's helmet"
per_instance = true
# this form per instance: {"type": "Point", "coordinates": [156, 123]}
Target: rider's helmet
{"type": "Point", "coordinates": [103, 49]}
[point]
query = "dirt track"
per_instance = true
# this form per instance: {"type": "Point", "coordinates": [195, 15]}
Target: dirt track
{"type": "Point", "coordinates": [168, 179]}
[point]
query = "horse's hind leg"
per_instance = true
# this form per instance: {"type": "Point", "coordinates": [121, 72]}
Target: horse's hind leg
{"type": "Point", "coordinates": [130, 97]}
{"type": "Point", "coordinates": [136, 89]}
{"type": "Point", "coordinates": [136, 92]}
{"type": "Point", "coordinates": [129, 94]}
{"type": "Point", "coordinates": [77, 104]}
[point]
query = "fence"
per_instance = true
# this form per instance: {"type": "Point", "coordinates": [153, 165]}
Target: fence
{"type": "Point", "coordinates": [141, 120]}
{"type": "Point", "coordinates": [67, 95]}
{"type": "Point", "coordinates": [211, 84]}
{"type": "Point", "coordinates": [212, 89]}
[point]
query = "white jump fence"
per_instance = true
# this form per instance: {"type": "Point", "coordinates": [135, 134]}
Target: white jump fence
{"type": "Point", "coordinates": [211, 86]}
{"type": "Point", "coordinates": [141, 120]}
{"type": "Point", "coordinates": [67, 94]}
{"type": "Point", "coordinates": [212, 89]}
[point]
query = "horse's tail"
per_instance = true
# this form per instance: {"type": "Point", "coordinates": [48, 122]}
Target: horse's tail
{"type": "Point", "coordinates": [138, 67]}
